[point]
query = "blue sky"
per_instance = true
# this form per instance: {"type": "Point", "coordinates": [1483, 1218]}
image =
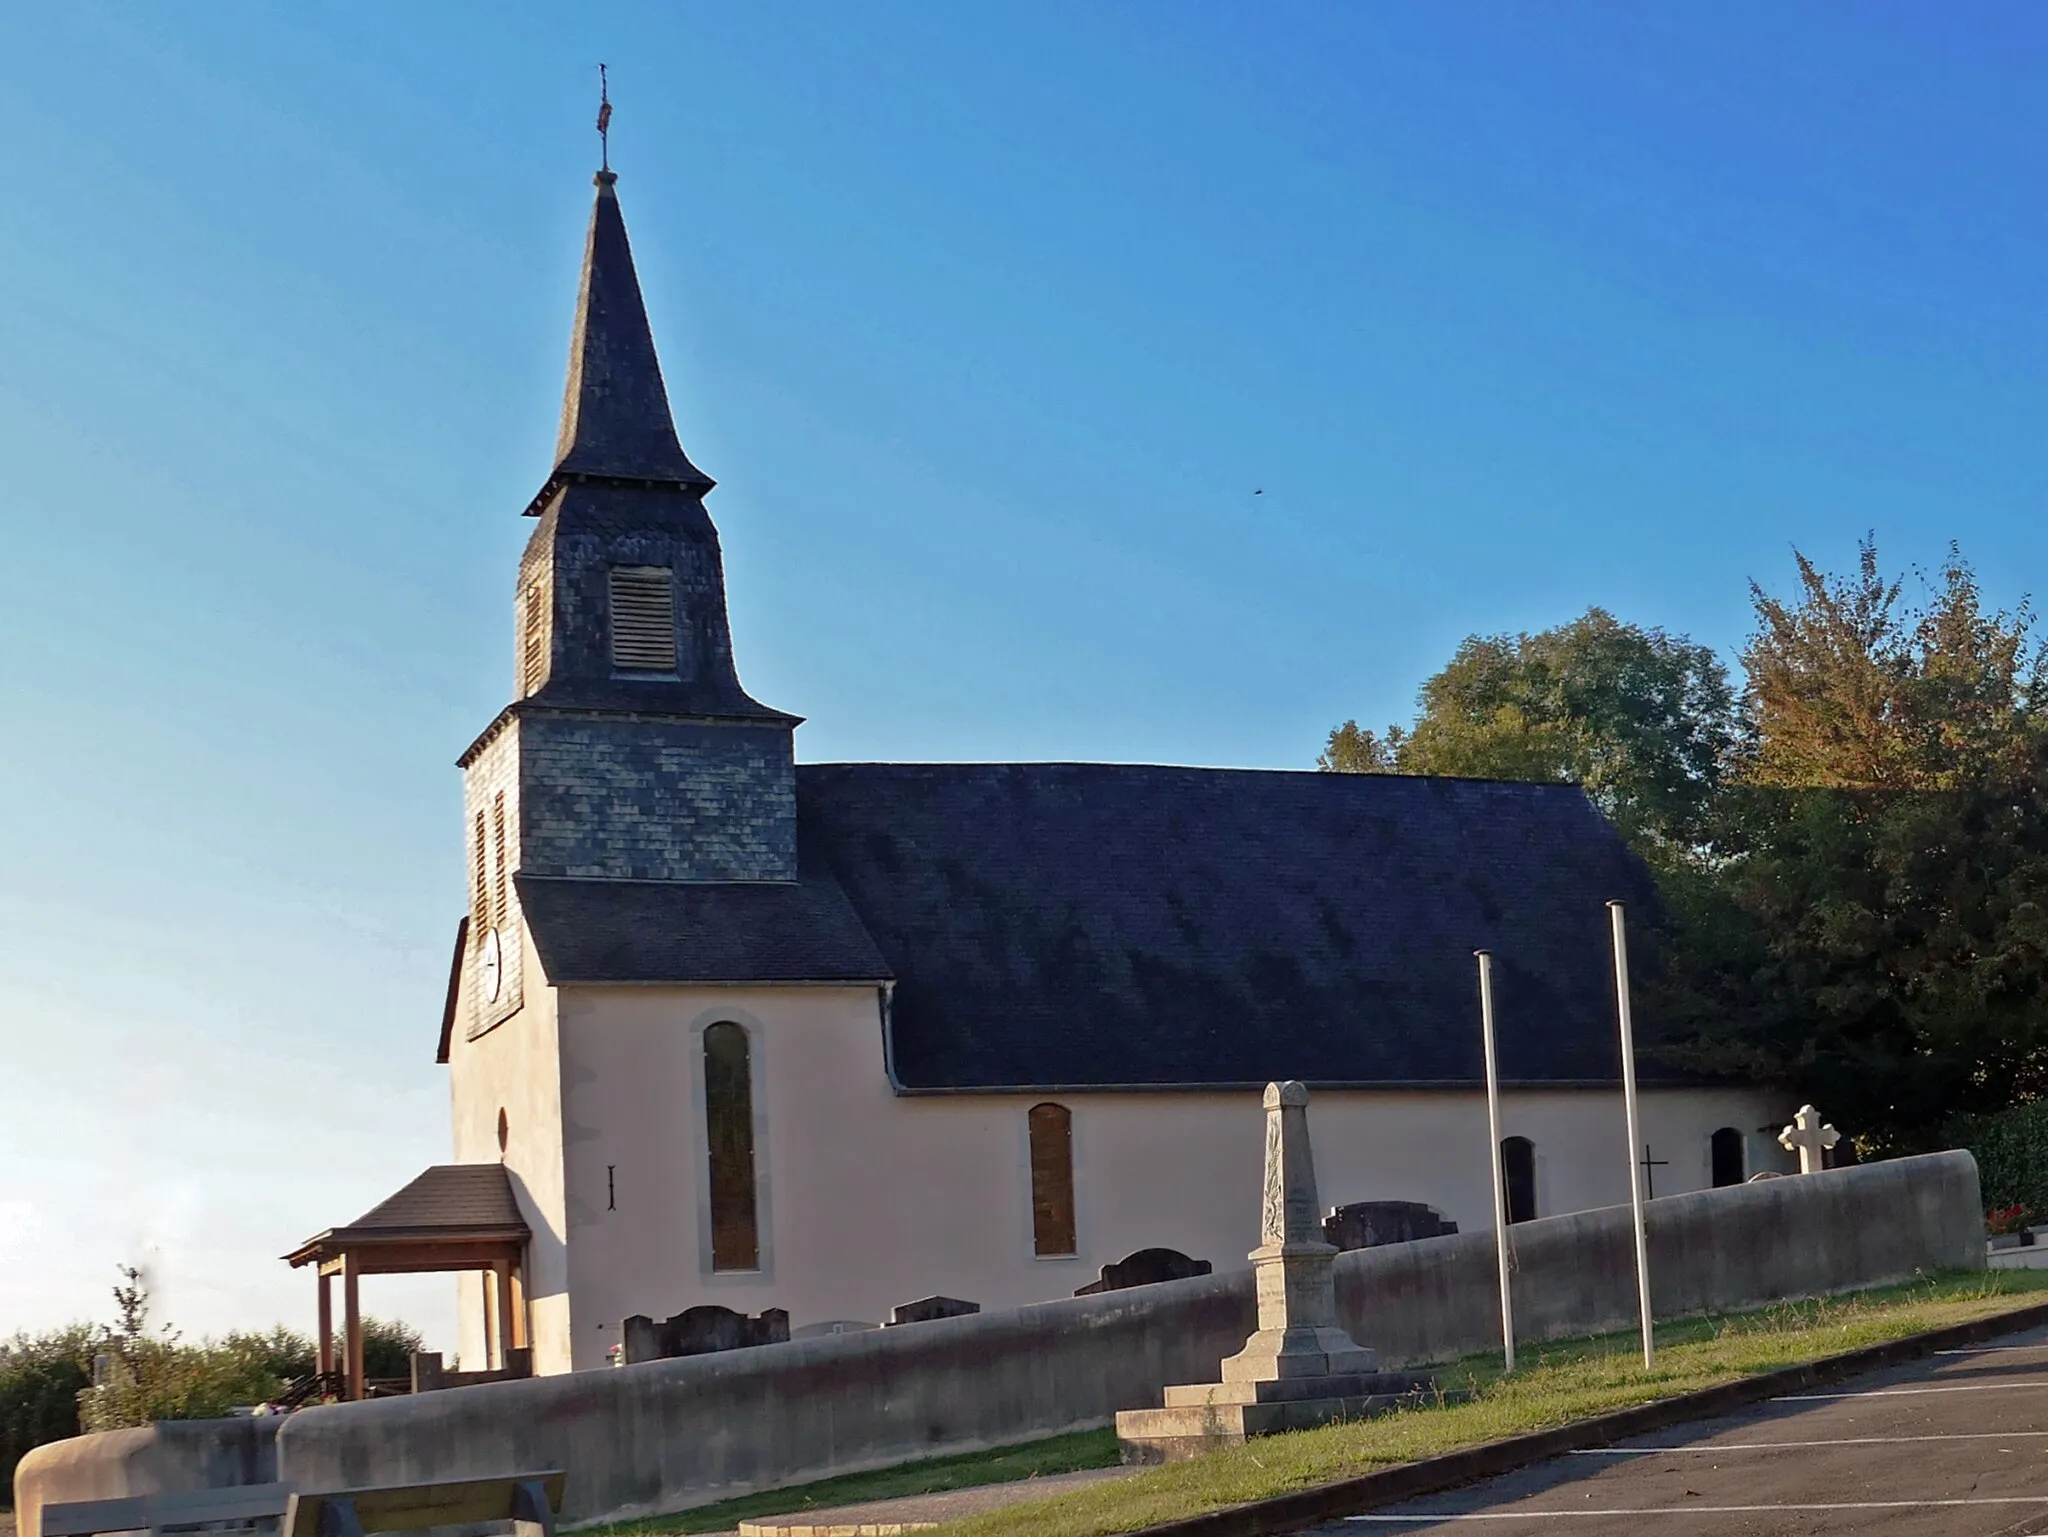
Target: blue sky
{"type": "Point", "coordinates": [990, 320]}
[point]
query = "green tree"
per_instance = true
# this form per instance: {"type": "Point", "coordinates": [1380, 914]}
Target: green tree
{"type": "Point", "coordinates": [1643, 719]}
{"type": "Point", "coordinates": [1846, 690]}
{"type": "Point", "coordinates": [41, 1377]}
{"type": "Point", "coordinates": [145, 1376]}
{"type": "Point", "coordinates": [1869, 919]}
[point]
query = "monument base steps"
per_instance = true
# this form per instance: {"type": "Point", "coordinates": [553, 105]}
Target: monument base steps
{"type": "Point", "coordinates": [1299, 1369]}
{"type": "Point", "coordinates": [1211, 1416]}
{"type": "Point", "coordinates": [1292, 1389]}
{"type": "Point", "coordinates": [1299, 1353]}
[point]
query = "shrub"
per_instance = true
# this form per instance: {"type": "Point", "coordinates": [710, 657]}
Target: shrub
{"type": "Point", "coordinates": [2011, 1149]}
{"type": "Point", "coordinates": [40, 1379]}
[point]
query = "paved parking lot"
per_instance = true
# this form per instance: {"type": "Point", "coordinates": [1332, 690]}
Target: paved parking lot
{"type": "Point", "coordinates": [1956, 1445]}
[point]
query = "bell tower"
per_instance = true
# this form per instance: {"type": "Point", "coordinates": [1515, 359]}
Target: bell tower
{"type": "Point", "coordinates": [630, 752]}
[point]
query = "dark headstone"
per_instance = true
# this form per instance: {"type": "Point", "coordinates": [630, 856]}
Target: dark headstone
{"type": "Point", "coordinates": [1143, 1269]}
{"type": "Point", "coordinates": [1368, 1224]}
{"type": "Point", "coordinates": [430, 1375]}
{"type": "Point", "coordinates": [701, 1331]}
{"type": "Point", "coordinates": [925, 1309]}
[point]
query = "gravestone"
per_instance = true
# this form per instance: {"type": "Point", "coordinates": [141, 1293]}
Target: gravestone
{"type": "Point", "coordinates": [1299, 1369]}
{"type": "Point", "coordinates": [925, 1309]}
{"type": "Point", "coordinates": [1145, 1268]}
{"type": "Point", "coordinates": [1368, 1224]}
{"type": "Point", "coordinates": [699, 1331]}
{"type": "Point", "coordinates": [430, 1375]}
{"type": "Point", "coordinates": [1810, 1138]}
{"type": "Point", "coordinates": [833, 1326]}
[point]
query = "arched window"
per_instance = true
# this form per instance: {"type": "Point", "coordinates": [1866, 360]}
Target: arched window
{"type": "Point", "coordinates": [729, 1134]}
{"type": "Point", "coordinates": [1052, 1179]}
{"type": "Point", "coordinates": [1518, 1165]}
{"type": "Point", "coordinates": [1728, 1159]}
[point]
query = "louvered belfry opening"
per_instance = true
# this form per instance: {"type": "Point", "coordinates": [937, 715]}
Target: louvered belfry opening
{"type": "Point", "coordinates": [643, 619]}
{"type": "Point", "coordinates": [533, 637]}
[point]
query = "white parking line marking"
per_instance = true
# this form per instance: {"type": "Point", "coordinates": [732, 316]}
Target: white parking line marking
{"type": "Point", "coordinates": [1782, 1446]}
{"type": "Point", "coordinates": [1704, 1510]}
{"type": "Point", "coordinates": [1968, 1387]}
{"type": "Point", "coordinates": [1987, 1350]}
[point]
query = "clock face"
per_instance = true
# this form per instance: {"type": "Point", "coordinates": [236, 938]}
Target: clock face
{"type": "Point", "coordinates": [491, 967]}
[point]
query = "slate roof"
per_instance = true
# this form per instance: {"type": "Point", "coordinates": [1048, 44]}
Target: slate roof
{"type": "Point", "coordinates": [446, 1196]}
{"type": "Point", "coordinates": [1097, 926]}
{"type": "Point", "coordinates": [671, 931]}
{"type": "Point", "coordinates": [616, 422]}
{"type": "Point", "coordinates": [450, 1201]}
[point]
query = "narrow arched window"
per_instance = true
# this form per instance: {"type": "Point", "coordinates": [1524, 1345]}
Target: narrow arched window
{"type": "Point", "coordinates": [1518, 1167]}
{"type": "Point", "coordinates": [1728, 1159]}
{"type": "Point", "coordinates": [1052, 1180]}
{"type": "Point", "coordinates": [729, 1134]}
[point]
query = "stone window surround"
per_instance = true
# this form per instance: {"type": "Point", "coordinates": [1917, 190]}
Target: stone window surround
{"type": "Point", "coordinates": [1031, 1186]}
{"type": "Point", "coordinates": [764, 1207]}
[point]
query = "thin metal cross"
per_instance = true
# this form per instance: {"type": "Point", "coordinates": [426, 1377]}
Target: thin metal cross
{"type": "Point", "coordinates": [604, 117]}
{"type": "Point", "coordinates": [1650, 1168]}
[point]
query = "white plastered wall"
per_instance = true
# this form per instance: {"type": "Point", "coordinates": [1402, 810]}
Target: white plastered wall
{"type": "Point", "coordinates": [515, 1067]}
{"type": "Point", "coordinates": [869, 1198]}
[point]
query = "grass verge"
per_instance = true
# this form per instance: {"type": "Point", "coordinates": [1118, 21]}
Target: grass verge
{"type": "Point", "coordinates": [1033, 1459]}
{"type": "Point", "coordinates": [1556, 1383]}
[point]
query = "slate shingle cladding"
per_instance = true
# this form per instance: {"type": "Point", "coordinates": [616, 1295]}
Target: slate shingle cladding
{"type": "Point", "coordinates": [674, 931]}
{"type": "Point", "coordinates": [1093, 925]}
{"type": "Point", "coordinates": [448, 1198]}
{"type": "Point", "coordinates": [615, 414]}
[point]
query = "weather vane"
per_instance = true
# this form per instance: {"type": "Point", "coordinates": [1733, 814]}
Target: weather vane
{"type": "Point", "coordinates": [604, 118]}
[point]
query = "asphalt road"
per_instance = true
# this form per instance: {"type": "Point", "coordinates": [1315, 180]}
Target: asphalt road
{"type": "Point", "coordinates": [1954, 1446]}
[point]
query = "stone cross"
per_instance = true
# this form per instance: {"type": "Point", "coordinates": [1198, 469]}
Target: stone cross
{"type": "Point", "coordinates": [1809, 1137]}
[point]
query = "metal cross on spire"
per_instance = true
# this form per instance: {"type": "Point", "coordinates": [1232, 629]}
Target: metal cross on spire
{"type": "Point", "coordinates": [604, 118]}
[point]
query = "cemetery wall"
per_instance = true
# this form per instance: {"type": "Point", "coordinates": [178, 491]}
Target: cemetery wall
{"type": "Point", "coordinates": [662, 1436]}
{"type": "Point", "coordinates": [170, 1457]}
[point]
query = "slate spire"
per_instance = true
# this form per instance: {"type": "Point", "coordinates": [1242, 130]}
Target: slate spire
{"type": "Point", "coordinates": [616, 424]}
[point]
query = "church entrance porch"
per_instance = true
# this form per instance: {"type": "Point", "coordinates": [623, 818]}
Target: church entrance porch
{"type": "Point", "coordinates": [453, 1217]}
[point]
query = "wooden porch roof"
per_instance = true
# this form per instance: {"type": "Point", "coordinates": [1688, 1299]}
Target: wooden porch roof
{"type": "Point", "coordinates": [453, 1216]}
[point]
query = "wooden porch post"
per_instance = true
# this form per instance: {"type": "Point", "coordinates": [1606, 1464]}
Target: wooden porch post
{"type": "Point", "coordinates": [326, 1319]}
{"type": "Point", "coordinates": [352, 1326]}
{"type": "Point", "coordinates": [519, 1339]}
{"type": "Point", "coordinates": [501, 1289]}
{"type": "Point", "coordinates": [487, 1287]}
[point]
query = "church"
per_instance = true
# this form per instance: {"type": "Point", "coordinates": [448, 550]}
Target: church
{"type": "Point", "coordinates": [724, 1027]}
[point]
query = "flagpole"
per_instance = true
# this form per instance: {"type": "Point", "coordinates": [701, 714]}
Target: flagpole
{"type": "Point", "coordinates": [1500, 1193]}
{"type": "Point", "coordinates": [1628, 1095]}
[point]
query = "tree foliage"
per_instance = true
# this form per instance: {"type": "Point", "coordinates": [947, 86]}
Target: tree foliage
{"type": "Point", "coordinates": [1644, 720]}
{"type": "Point", "coordinates": [41, 1377]}
{"type": "Point", "coordinates": [1849, 691]}
{"type": "Point", "coordinates": [1853, 855]}
{"type": "Point", "coordinates": [103, 1377]}
{"type": "Point", "coordinates": [1875, 922]}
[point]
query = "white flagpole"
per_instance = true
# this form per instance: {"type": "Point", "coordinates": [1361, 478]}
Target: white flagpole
{"type": "Point", "coordinates": [1628, 1095]}
{"type": "Point", "coordinates": [1500, 1193]}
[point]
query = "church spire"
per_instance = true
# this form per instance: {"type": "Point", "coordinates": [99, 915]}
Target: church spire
{"type": "Point", "coordinates": [616, 424]}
